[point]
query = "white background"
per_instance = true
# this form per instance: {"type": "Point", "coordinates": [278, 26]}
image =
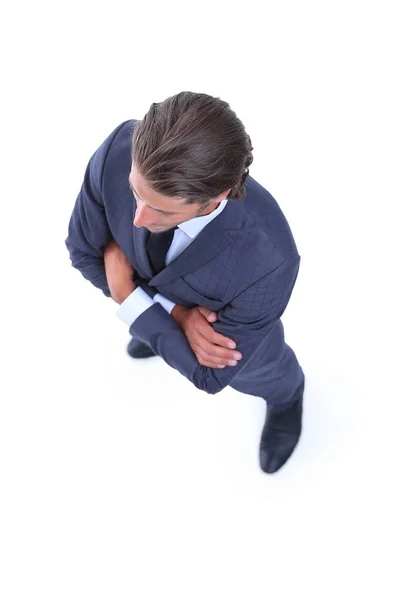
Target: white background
{"type": "Point", "coordinates": [118, 478]}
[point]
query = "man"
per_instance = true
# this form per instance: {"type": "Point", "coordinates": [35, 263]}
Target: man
{"type": "Point", "coordinates": [198, 254]}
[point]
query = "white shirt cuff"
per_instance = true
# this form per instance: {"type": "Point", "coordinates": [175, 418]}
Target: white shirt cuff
{"type": "Point", "coordinates": [134, 305]}
{"type": "Point", "coordinates": [165, 303]}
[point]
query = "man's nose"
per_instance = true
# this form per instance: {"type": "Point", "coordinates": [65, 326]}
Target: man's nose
{"type": "Point", "coordinates": [142, 216]}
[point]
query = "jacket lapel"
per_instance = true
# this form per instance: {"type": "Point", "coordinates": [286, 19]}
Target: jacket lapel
{"type": "Point", "coordinates": [210, 242]}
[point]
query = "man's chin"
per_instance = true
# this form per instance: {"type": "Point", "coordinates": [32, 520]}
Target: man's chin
{"type": "Point", "coordinates": [158, 229]}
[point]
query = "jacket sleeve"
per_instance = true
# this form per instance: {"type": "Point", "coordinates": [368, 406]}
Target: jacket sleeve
{"type": "Point", "coordinates": [88, 230]}
{"type": "Point", "coordinates": [248, 319]}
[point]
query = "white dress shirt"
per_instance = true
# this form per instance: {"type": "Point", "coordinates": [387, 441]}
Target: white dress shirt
{"type": "Point", "coordinates": [137, 302]}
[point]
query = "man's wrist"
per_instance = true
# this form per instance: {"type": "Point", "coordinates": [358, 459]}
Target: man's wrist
{"type": "Point", "coordinates": [123, 293]}
{"type": "Point", "coordinates": [177, 312]}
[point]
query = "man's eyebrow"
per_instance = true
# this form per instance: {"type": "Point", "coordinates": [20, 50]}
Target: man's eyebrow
{"type": "Point", "coordinates": [157, 209]}
{"type": "Point", "coordinates": [133, 189]}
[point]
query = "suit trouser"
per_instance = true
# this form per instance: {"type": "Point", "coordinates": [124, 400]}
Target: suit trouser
{"type": "Point", "coordinates": [273, 372]}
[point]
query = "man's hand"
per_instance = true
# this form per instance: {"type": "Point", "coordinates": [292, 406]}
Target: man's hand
{"type": "Point", "coordinates": [119, 272]}
{"type": "Point", "coordinates": [209, 346]}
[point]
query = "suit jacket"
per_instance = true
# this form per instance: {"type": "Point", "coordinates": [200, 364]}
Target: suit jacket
{"type": "Point", "coordinates": [243, 265]}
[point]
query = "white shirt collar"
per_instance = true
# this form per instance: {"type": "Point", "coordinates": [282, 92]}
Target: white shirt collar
{"type": "Point", "coordinates": [192, 227]}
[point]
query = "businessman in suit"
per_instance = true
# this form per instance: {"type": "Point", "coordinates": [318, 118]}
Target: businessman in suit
{"type": "Point", "coordinates": [198, 255]}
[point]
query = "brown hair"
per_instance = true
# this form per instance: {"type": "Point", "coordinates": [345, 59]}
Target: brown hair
{"type": "Point", "coordinates": [192, 146]}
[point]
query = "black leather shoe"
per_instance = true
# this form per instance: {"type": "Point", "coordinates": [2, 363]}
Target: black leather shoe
{"type": "Point", "coordinates": [279, 436]}
{"type": "Point", "coordinates": [138, 349]}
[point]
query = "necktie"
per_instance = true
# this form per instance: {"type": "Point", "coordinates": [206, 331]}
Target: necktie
{"type": "Point", "coordinates": [157, 247]}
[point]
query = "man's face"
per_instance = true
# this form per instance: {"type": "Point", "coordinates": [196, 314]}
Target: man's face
{"type": "Point", "coordinates": [159, 213]}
